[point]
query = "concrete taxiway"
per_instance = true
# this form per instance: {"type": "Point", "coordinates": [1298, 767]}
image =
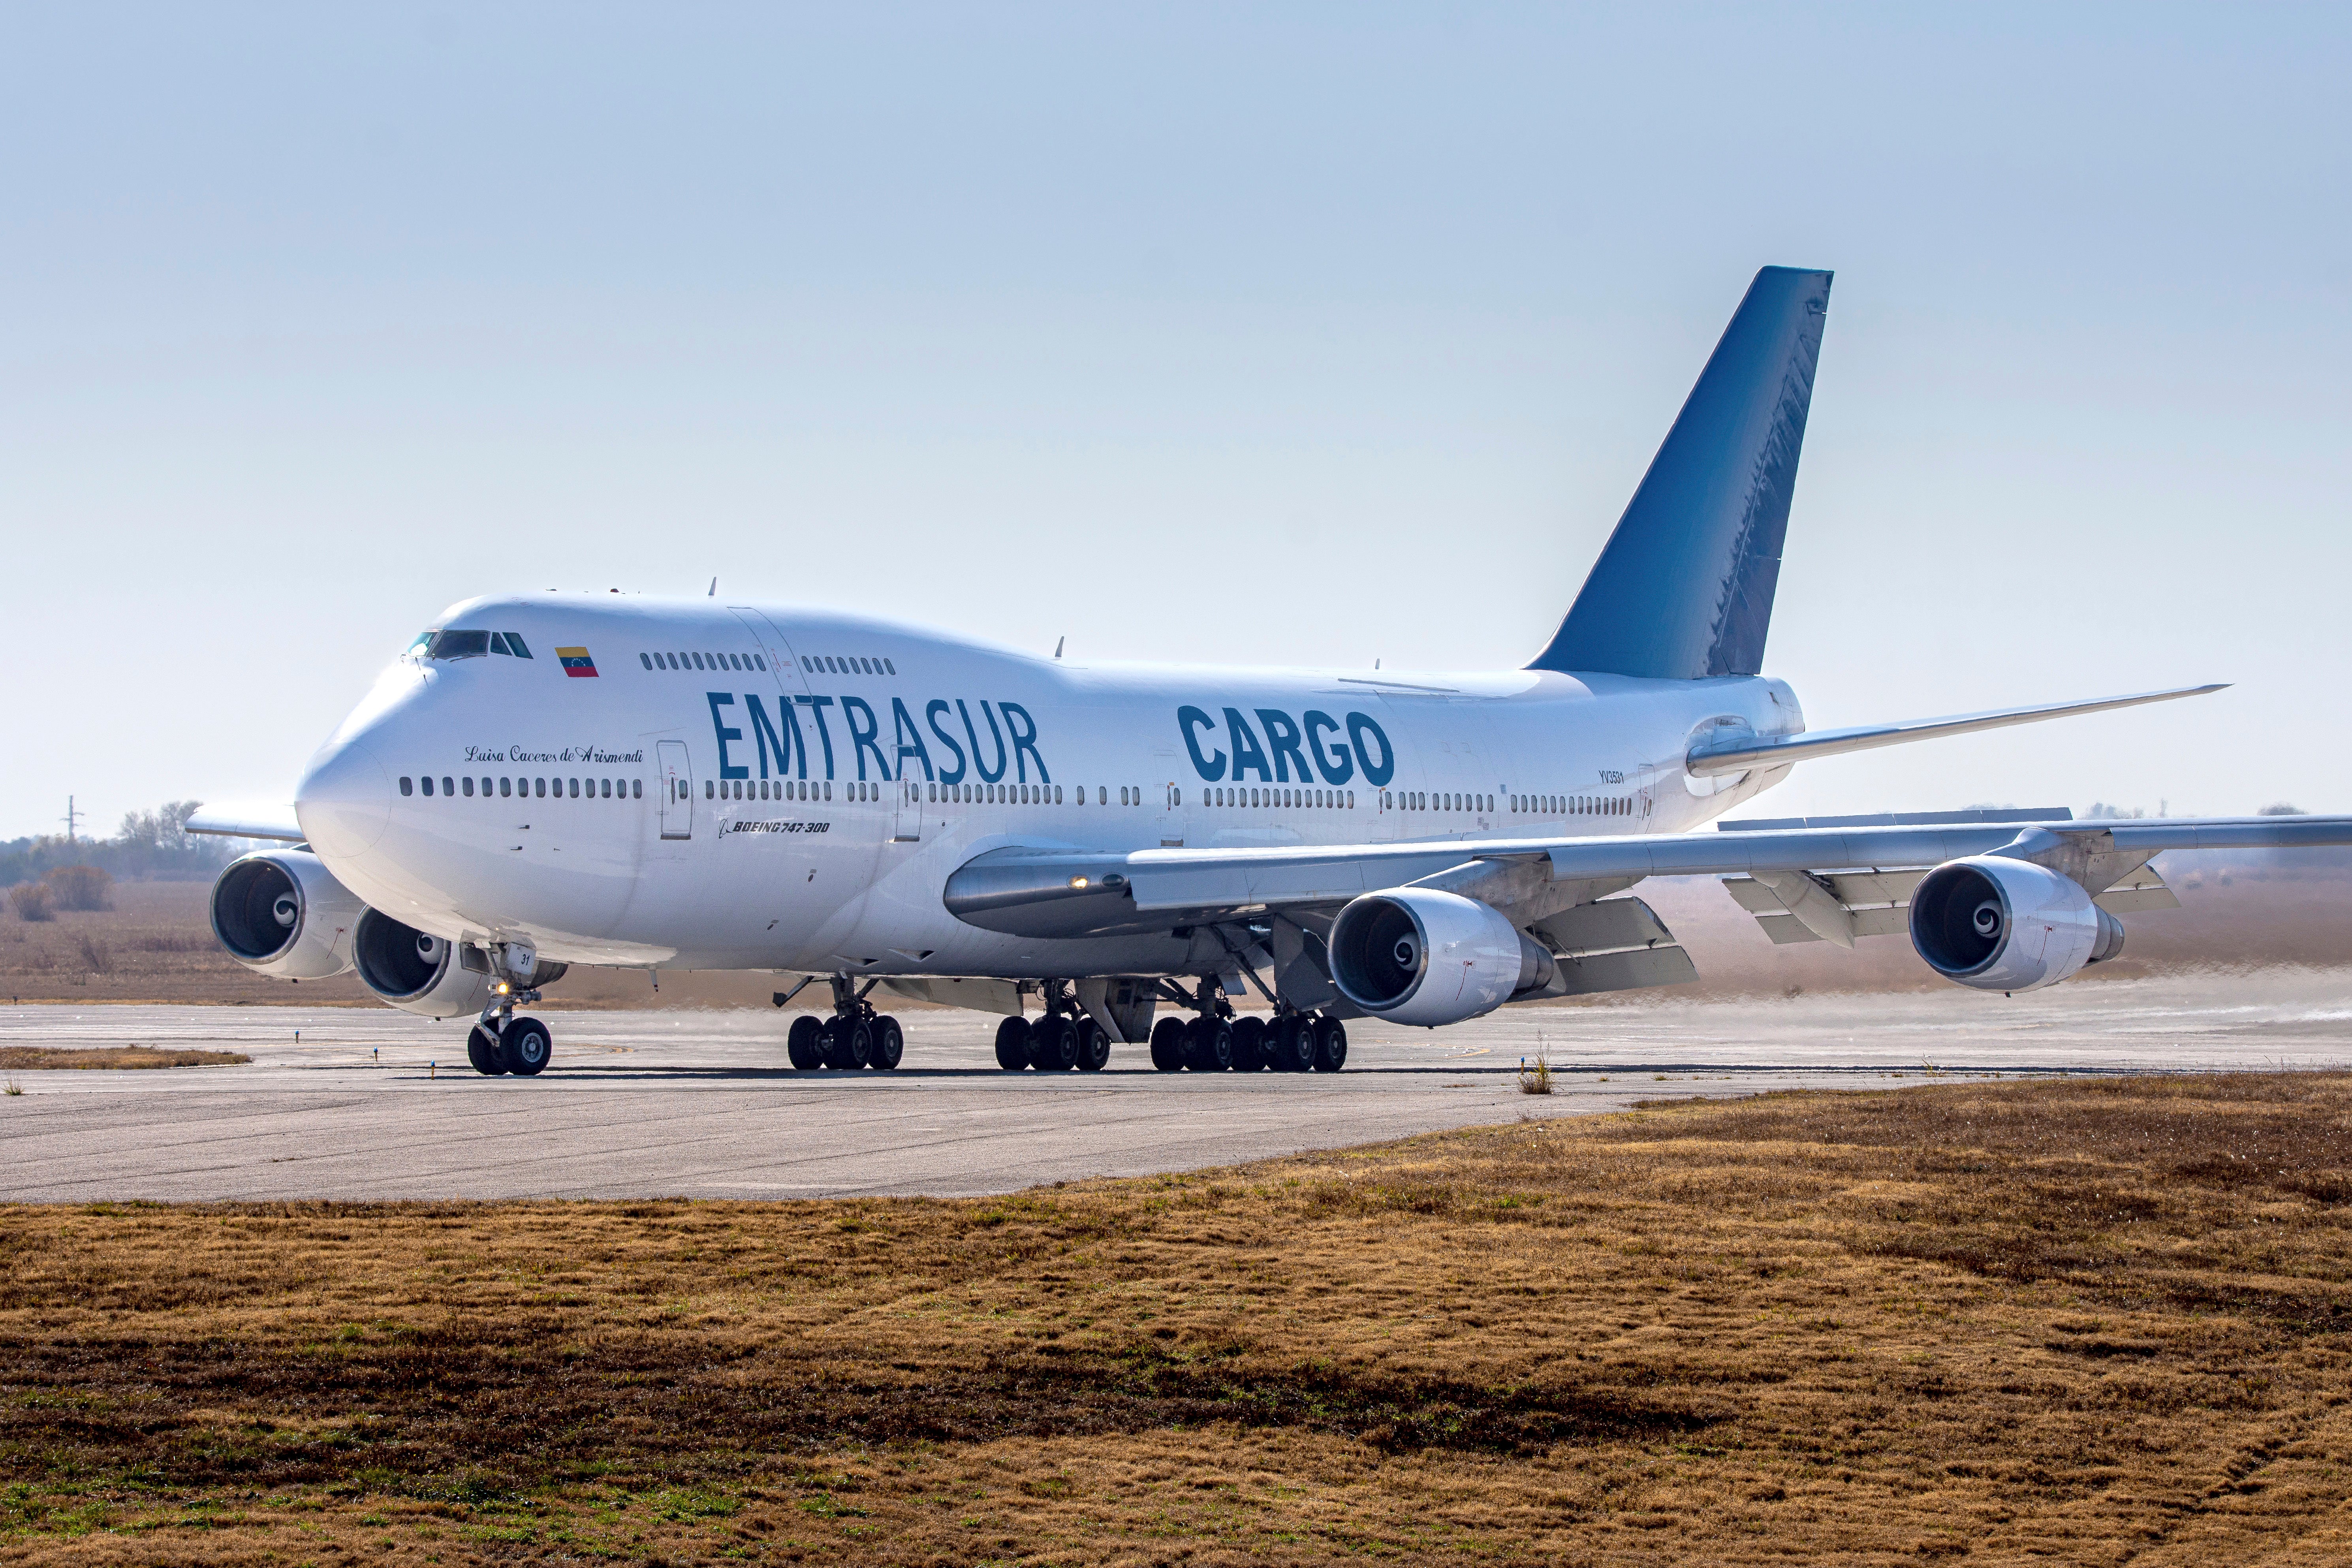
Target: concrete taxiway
{"type": "Point", "coordinates": [376, 1104]}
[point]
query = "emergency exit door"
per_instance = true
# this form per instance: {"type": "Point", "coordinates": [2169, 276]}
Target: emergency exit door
{"type": "Point", "coordinates": [677, 790]}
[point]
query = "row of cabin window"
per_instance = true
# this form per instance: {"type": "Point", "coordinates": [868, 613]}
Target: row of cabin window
{"type": "Point", "coordinates": [935, 794]}
{"type": "Point", "coordinates": [1283, 799]}
{"type": "Point", "coordinates": [702, 661]}
{"type": "Point", "coordinates": [595, 789]}
{"type": "Point", "coordinates": [1574, 805]}
{"type": "Point", "coordinates": [778, 789]}
{"type": "Point", "coordinates": [1426, 800]}
{"type": "Point", "coordinates": [1026, 794]}
{"type": "Point", "coordinates": [828, 662]}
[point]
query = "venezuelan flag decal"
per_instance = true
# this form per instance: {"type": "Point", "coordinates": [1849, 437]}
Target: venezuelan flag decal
{"type": "Point", "coordinates": [576, 661]}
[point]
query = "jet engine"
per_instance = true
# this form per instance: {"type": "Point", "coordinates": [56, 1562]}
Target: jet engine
{"type": "Point", "coordinates": [1415, 955]}
{"type": "Point", "coordinates": [1998, 924]}
{"type": "Point", "coordinates": [419, 972]}
{"type": "Point", "coordinates": [280, 912]}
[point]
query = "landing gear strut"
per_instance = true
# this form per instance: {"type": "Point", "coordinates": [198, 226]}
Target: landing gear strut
{"type": "Point", "coordinates": [503, 1042]}
{"type": "Point", "coordinates": [855, 1037]}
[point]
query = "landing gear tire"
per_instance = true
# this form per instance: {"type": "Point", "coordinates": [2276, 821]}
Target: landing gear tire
{"type": "Point", "coordinates": [1052, 1044]}
{"type": "Point", "coordinates": [526, 1046]}
{"type": "Point", "coordinates": [1168, 1045]}
{"type": "Point", "coordinates": [1093, 1045]}
{"type": "Point", "coordinates": [1012, 1044]}
{"type": "Point", "coordinates": [1290, 1043]}
{"type": "Point", "coordinates": [849, 1044]}
{"type": "Point", "coordinates": [1249, 1044]}
{"type": "Point", "coordinates": [889, 1042]}
{"type": "Point", "coordinates": [482, 1050]}
{"type": "Point", "coordinates": [1209, 1044]}
{"type": "Point", "coordinates": [804, 1043]}
{"type": "Point", "coordinates": [1330, 1044]}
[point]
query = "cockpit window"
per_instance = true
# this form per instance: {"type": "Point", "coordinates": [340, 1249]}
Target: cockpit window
{"type": "Point", "coordinates": [515, 645]}
{"type": "Point", "coordinates": [458, 645]}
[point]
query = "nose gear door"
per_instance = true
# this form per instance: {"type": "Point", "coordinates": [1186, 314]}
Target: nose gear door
{"type": "Point", "coordinates": [677, 789]}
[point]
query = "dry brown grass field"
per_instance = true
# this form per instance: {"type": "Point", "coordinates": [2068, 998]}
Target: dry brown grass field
{"type": "Point", "coordinates": [2078, 1321]}
{"type": "Point", "coordinates": [25, 1058]}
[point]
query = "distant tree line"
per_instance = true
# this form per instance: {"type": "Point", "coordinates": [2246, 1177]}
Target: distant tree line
{"type": "Point", "coordinates": [152, 847]}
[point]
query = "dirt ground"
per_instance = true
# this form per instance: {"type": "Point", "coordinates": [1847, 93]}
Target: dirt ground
{"type": "Point", "coordinates": [2078, 1321]}
{"type": "Point", "coordinates": [156, 945]}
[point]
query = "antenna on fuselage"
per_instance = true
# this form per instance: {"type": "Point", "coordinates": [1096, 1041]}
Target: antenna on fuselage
{"type": "Point", "coordinates": [714, 589]}
{"type": "Point", "coordinates": [1057, 645]}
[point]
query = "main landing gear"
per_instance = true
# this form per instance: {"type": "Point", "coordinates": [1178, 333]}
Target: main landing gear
{"type": "Point", "coordinates": [1290, 1041]}
{"type": "Point", "coordinates": [1067, 1036]}
{"type": "Point", "coordinates": [855, 1037]}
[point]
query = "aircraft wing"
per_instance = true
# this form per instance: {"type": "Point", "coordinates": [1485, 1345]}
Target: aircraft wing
{"type": "Point", "coordinates": [248, 820]}
{"type": "Point", "coordinates": [1078, 893]}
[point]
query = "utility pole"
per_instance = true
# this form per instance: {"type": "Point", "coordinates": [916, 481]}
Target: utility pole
{"type": "Point", "coordinates": [71, 816]}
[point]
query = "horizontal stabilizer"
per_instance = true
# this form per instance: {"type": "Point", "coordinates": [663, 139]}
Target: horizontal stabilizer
{"type": "Point", "coordinates": [1738, 754]}
{"type": "Point", "coordinates": [247, 819]}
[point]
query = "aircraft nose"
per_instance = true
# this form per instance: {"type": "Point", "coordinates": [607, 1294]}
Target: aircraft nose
{"type": "Point", "coordinates": [344, 801]}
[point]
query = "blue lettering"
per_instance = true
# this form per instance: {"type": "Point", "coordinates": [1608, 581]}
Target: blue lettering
{"type": "Point", "coordinates": [816, 707]}
{"type": "Point", "coordinates": [785, 744]}
{"type": "Point", "coordinates": [932, 712]}
{"type": "Point", "coordinates": [1024, 742]}
{"type": "Point", "coordinates": [903, 722]}
{"type": "Point", "coordinates": [1282, 739]}
{"type": "Point", "coordinates": [1247, 753]}
{"type": "Point", "coordinates": [1189, 719]}
{"type": "Point", "coordinates": [727, 770]}
{"type": "Point", "coordinates": [973, 736]}
{"type": "Point", "coordinates": [1359, 725]}
{"type": "Point", "coordinates": [865, 734]}
{"type": "Point", "coordinates": [1335, 766]}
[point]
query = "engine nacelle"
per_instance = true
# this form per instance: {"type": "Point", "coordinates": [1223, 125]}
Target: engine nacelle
{"type": "Point", "coordinates": [419, 972]}
{"type": "Point", "coordinates": [1998, 924]}
{"type": "Point", "coordinates": [280, 912]}
{"type": "Point", "coordinates": [1415, 955]}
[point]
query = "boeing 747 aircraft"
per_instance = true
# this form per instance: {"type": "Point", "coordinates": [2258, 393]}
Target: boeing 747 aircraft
{"type": "Point", "coordinates": [544, 780]}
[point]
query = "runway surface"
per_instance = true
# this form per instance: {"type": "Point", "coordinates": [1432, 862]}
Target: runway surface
{"type": "Point", "coordinates": [376, 1104]}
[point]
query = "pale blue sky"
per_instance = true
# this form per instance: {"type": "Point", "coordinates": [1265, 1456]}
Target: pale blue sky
{"type": "Point", "coordinates": [1250, 334]}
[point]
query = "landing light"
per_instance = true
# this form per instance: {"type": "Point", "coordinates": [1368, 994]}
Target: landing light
{"type": "Point", "coordinates": [501, 988]}
{"type": "Point", "coordinates": [1077, 882]}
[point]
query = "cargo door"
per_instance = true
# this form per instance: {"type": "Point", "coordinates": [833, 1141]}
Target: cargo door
{"type": "Point", "coordinates": [677, 789]}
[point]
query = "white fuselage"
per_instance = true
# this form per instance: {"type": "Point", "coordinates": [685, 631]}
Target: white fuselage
{"type": "Point", "coordinates": [799, 801]}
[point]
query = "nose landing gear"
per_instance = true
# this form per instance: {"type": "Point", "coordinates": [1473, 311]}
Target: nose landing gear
{"type": "Point", "coordinates": [501, 1043]}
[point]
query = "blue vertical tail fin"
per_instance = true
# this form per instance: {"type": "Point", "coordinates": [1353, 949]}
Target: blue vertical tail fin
{"type": "Point", "coordinates": [1683, 588]}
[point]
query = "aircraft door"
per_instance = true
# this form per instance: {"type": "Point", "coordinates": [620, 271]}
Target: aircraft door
{"type": "Point", "coordinates": [908, 828]}
{"type": "Point", "coordinates": [677, 789]}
